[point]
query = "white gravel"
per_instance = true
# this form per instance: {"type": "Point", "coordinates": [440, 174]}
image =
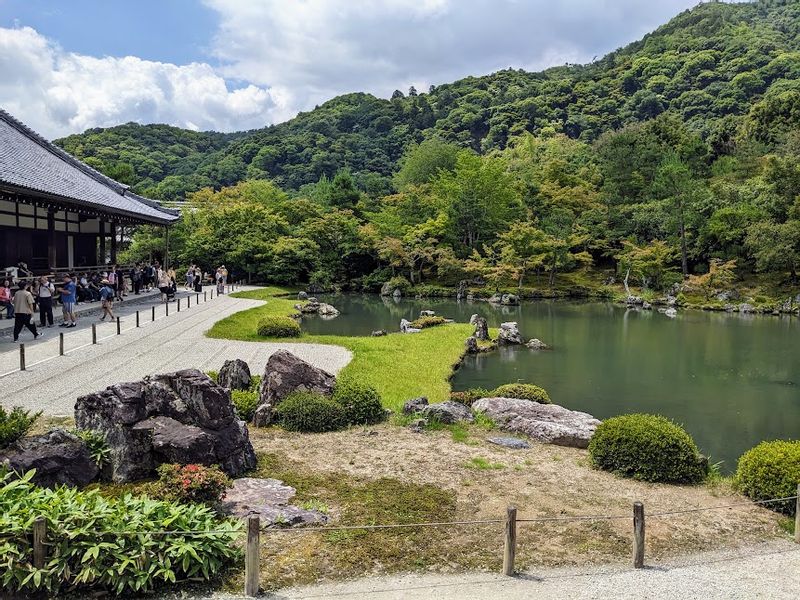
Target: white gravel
{"type": "Point", "coordinates": [168, 344]}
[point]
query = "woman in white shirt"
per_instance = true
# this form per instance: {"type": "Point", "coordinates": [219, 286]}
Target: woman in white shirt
{"type": "Point", "coordinates": [44, 296]}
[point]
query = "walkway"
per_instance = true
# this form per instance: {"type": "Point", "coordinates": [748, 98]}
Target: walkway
{"type": "Point", "coordinates": [170, 343]}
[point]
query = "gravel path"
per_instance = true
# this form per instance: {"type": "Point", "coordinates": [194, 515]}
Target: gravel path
{"type": "Point", "coordinates": [171, 342]}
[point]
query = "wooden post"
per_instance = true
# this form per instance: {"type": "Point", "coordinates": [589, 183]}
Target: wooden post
{"type": "Point", "coordinates": [154, 313]}
{"type": "Point", "coordinates": [94, 333]}
{"type": "Point", "coordinates": [22, 357]}
{"type": "Point", "coordinates": [39, 537]}
{"type": "Point", "coordinates": [638, 535]}
{"type": "Point", "coordinates": [797, 517]}
{"type": "Point", "coordinates": [137, 318]}
{"type": "Point", "coordinates": [510, 547]}
{"type": "Point", "coordinates": [61, 344]}
{"type": "Point", "coordinates": [212, 294]}
{"type": "Point", "coordinates": [51, 239]}
{"type": "Point", "coordinates": [119, 329]}
{"type": "Point", "coordinates": [205, 296]}
{"type": "Point", "coordinates": [252, 558]}
{"type": "Point", "coordinates": [113, 243]}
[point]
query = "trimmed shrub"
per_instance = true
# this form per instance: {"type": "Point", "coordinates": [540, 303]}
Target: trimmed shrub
{"type": "Point", "coordinates": [246, 403]}
{"type": "Point", "coordinates": [770, 470]}
{"type": "Point", "coordinates": [424, 322]}
{"type": "Point", "coordinates": [15, 424]}
{"type": "Point", "coordinates": [191, 483]}
{"type": "Point", "coordinates": [310, 412]}
{"type": "Point", "coordinates": [91, 541]}
{"type": "Point", "coordinates": [398, 283]}
{"type": "Point", "coordinates": [523, 391]}
{"type": "Point", "coordinates": [361, 403]}
{"type": "Point", "coordinates": [647, 447]}
{"type": "Point", "coordinates": [469, 397]}
{"type": "Point", "coordinates": [279, 327]}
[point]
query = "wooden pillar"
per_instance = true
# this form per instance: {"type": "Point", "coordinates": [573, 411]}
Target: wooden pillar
{"type": "Point", "coordinates": [166, 247]}
{"type": "Point", "coordinates": [51, 239]}
{"type": "Point", "coordinates": [113, 243]}
{"type": "Point", "coordinates": [102, 258]}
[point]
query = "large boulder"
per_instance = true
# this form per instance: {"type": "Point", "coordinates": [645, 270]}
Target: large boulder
{"type": "Point", "coordinates": [182, 417]}
{"type": "Point", "coordinates": [59, 457]}
{"type": "Point", "coordinates": [509, 335]}
{"type": "Point", "coordinates": [509, 300]}
{"type": "Point", "coordinates": [447, 412]}
{"type": "Point", "coordinates": [326, 310]}
{"type": "Point", "coordinates": [481, 328]}
{"type": "Point", "coordinates": [414, 405]}
{"type": "Point", "coordinates": [286, 373]}
{"type": "Point", "coordinates": [547, 423]}
{"type": "Point", "coordinates": [234, 375]}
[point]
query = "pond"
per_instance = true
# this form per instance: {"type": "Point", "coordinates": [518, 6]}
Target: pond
{"type": "Point", "coordinates": [731, 380]}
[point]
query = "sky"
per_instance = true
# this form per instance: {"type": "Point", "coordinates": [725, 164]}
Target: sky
{"type": "Point", "coordinates": [232, 65]}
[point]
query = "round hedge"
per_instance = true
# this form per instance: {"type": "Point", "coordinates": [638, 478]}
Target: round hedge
{"type": "Point", "coordinates": [361, 402]}
{"type": "Point", "coordinates": [648, 448]}
{"type": "Point", "coordinates": [310, 412]}
{"type": "Point", "coordinates": [278, 326]}
{"type": "Point", "coordinates": [771, 470]}
{"type": "Point", "coordinates": [523, 391]}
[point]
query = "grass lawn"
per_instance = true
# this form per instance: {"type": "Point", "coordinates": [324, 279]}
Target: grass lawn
{"type": "Point", "coordinates": [399, 366]}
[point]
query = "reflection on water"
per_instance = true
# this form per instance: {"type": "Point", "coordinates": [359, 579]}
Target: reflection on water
{"type": "Point", "coordinates": [732, 380]}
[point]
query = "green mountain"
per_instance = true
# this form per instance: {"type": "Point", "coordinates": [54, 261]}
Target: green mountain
{"type": "Point", "coordinates": [720, 68]}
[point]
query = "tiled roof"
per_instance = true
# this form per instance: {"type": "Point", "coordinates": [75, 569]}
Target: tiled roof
{"type": "Point", "coordinates": [30, 162]}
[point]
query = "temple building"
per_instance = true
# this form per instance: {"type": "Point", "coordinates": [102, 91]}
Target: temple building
{"type": "Point", "coordinates": [58, 213]}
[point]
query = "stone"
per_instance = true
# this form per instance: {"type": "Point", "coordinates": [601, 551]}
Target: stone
{"type": "Point", "coordinates": [647, 306]}
{"type": "Point", "coordinates": [427, 313]}
{"type": "Point", "coordinates": [547, 423]}
{"type": "Point", "coordinates": [495, 299]}
{"type": "Point", "coordinates": [405, 327]}
{"type": "Point", "coordinates": [509, 442]}
{"type": "Point", "coordinates": [509, 300]}
{"type": "Point", "coordinates": [671, 300]}
{"type": "Point", "coordinates": [414, 405]}
{"type": "Point", "coordinates": [727, 296]}
{"type": "Point", "coordinates": [472, 345]}
{"type": "Point", "coordinates": [634, 301]}
{"type": "Point", "coordinates": [473, 319]}
{"type": "Point", "coordinates": [418, 425]}
{"type": "Point", "coordinates": [285, 373]}
{"type": "Point", "coordinates": [746, 308]}
{"type": "Point", "coordinates": [379, 333]}
{"type": "Point", "coordinates": [481, 329]}
{"type": "Point", "coordinates": [309, 308]}
{"type": "Point", "coordinates": [536, 344]}
{"type": "Point", "coordinates": [397, 293]}
{"type": "Point", "coordinates": [448, 412]}
{"type": "Point", "coordinates": [302, 295]}
{"type": "Point", "coordinates": [234, 375]}
{"type": "Point", "coordinates": [59, 457]}
{"type": "Point", "coordinates": [326, 310]}
{"type": "Point", "coordinates": [182, 417]}
{"type": "Point", "coordinates": [269, 499]}
{"type": "Point", "coordinates": [671, 312]}
{"type": "Point", "coordinates": [509, 334]}
{"type": "Point", "coordinates": [461, 291]}
{"type": "Point", "coordinates": [386, 289]}
{"type": "Point", "coordinates": [470, 297]}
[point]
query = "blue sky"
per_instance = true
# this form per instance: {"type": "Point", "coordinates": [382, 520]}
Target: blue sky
{"type": "Point", "coordinates": [227, 65]}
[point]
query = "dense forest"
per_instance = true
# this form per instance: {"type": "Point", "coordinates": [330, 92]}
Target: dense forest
{"type": "Point", "coordinates": [677, 155]}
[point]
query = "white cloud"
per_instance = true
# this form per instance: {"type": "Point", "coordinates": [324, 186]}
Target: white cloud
{"type": "Point", "coordinates": [57, 92]}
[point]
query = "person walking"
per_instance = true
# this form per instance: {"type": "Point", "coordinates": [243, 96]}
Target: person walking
{"type": "Point", "coordinates": [5, 299]}
{"type": "Point", "coordinates": [107, 294]}
{"type": "Point", "coordinates": [190, 278]}
{"type": "Point", "coordinates": [163, 283]}
{"type": "Point", "coordinates": [136, 278]}
{"type": "Point", "coordinates": [198, 280]}
{"type": "Point", "coordinates": [23, 311]}
{"type": "Point", "coordinates": [45, 294]}
{"type": "Point", "coordinates": [68, 289]}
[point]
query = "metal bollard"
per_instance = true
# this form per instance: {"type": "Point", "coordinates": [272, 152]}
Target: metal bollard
{"type": "Point", "coordinates": [154, 313]}
{"type": "Point", "coordinates": [61, 344]}
{"type": "Point", "coordinates": [166, 309]}
{"type": "Point", "coordinates": [22, 357]}
{"type": "Point", "coordinates": [179, 305]}
{"type": "Point", "coordinates": [119, 329]}
{"type": "Point", "coordinates": [94, 333]}
{"type": "Point", "coordinates": [137, 318]}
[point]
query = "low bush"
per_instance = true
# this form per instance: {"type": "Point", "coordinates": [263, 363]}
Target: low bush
{"type": "Point", "coordinates": [310, 412]}
{"type": "Point", "coordinates": [246, 403]}
{"type": "Point", "coordinates": [255, 383]}
{"type": "Point", "coordinates": [191, 483]}
{"type": "Point", "coordinates": [424, 322]}
{"type": "Point", "coordinates": [523, 391]}
{"type": "Point", "coordinates": [648, 448]}
{"type": "Point", "coordinates": [398, 283]}
{"type": "Point", "coordinates": [103, 543]}
{"type": "Point", "coordinates": [469, 397]}
{"type": "Point", "coordinates": [15, 424]}
{"type": "Point", "coordinates": [770, 470]}
{"type": "Point", "coordinates": [361, 403]}
{"type": "Point", "coordinates": [279, 327]}
{"type": "Point", "coordinates": [96, 443]}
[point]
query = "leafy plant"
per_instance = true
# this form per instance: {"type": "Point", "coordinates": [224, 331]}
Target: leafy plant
{"type": "Point", "coordinates": [425, 322]}
{"type": "Point", "coordinates": [192, 483]}
{"type": "Point", "coordinates": [107, 544]}
{"type": "Point", "coordinates": [246, 403]}
{"type": "Point", "coordinates": [15, 424]}
{"type": "Point", "coordinates": [214, 375]}
{"type": "Point", "coordinates": [310, 412]}
{"type": "Point", "coordinates": [97, 445]}
{"type": "Point", "coordinates": [278, 327]}
{"type": "Point", "coordinates": [361, 403]}
{"type": "Point", "coordinates": [647, 447]}
{"type": "Point", "coordinates": [770, 470]}
{"type": "Point", "coordinates": [523, 391]}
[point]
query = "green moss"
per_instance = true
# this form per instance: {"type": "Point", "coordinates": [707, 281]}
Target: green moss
{"type": "Point", "coordinates": [524, 391]}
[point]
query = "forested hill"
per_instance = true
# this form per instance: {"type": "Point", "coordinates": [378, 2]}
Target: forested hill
{"type": "Point", "coordinates": [721, 68]}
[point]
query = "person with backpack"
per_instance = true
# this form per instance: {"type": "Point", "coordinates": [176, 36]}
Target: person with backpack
{"type": "Point", "coordinates": [107, 294]}
{"type": "Point", "coordinates": [45, 295]}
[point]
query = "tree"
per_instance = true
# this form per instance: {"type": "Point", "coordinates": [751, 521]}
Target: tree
{"type": "Point", "coordinates": [776, 246]}
{"type": "Point", "coordinates": [674, 182]}
{"type": "Point", "coordinates": [650, 264]}
{"type": "Point", "coordinates": [421, 163]}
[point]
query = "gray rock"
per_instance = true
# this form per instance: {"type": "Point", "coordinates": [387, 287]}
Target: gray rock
{"type": "Point", "coordinates": [448, 412]}
{"type": "Point", "coordinates": [326, 310]}
{"type": "Point", "coordinates": [509, 300]}
{"type": "Point", "coordinates": [235, 375]}
{"type": "Point", "coordinates": [727, 296]}
{"type": "Point", "coordinates": [427, 313]}
{"type": "Point", "coordinates": [472, 345]}
{"type": "Point", "coordinates": [418, 425]}
{"type": "Point", "coordinates": [671, 313]}
{"type": "Point", "coordinates": [647, 306]}
{"type": "Point", "coordinates": [269, 499]}
{"type": "Point", "coordinates": [286, 373]}
{"type": "Point", "coordinates": [496, 299]}
{"type": "Point", "coordinates": [405, 327]}
{"type": "Point", "coordinates": [309, 308]}
{"type": "Point", "coordinates": [59, 457]}
{"type": "Point", "coordinates": [536, 344]}
{"type": "Point", "coordinates": [547, 423]}
{"type": "Point", "coordinates": [379, 333]}
{"type": "Point", "coordinates": [746, 308]}
{"type": "Point", "coordinates": [634, 301]}
{"type": "Point", "coordinates": [509, 335]}
{"type": "Point", "coordinates": [461, 291]}
{"type": "Point", "coordinates": [671, 300]}
{"type": "Point", "coordinates": [509, 442]}
{"type": "Point", "coordinates": [481, 329]}
{"type": "Point", "coordinates": [397, 293]}
{"type": "Point", "coordinates": [415, 405]}
{"type": "Point", "coordinates": [302, 295]}
{"type": "Point", "coordinates": [386, 289]}
{"type": "Point", "coordinates": [181, 417]}
{"type": "Point", "coordinates": [473, 319]}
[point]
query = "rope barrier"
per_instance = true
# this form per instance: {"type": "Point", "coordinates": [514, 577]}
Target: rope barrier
{"type": "Point", "coordinates": [692, 510]}
{"type": "Point", "coordinates": [389, 526]}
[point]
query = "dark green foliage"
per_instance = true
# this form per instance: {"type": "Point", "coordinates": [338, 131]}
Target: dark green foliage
{"type": "Point", "coordinates": [278, 327]}
{"type": "Point", "coordinates": [15, 424]}
{"type": "Point", "coordinates": [469, 397]}
{"type": "Point", "coordinates": [361, 403]}
{"type": "Point", "coordinates": [424, 322]}
{"type": "Point", "coordinates": [246, 402]}
{"type": "Point", "coordinates": [102, 544]}
{"type": "Point", "coordinates": [311, 413]}
{"type": "Point", "coordinates": [647, 447]}
{"type": "Point", "coordinates": [524, 391]}
{"type": "Point", "coordinates": [771, 470]}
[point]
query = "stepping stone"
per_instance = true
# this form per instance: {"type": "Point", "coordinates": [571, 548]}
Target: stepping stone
{"type": "Point", "coordinates": [509, 442]}
{"type": "Point", "coordinates": [269, 499]}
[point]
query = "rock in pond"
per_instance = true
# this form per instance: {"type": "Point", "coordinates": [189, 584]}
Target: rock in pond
{"type": "Point", "coordinates": [448, 412]}
{"type": "Point", "coordinates": [59, 457]}
{"type": "Point", "coordinates": [509, 335]}
{"type": "Point", "coordinates": [405, 327]}
{"type": "Point", "coordinates": [326, 310]}
{"type": "Point", "coordinates": [427, 313]}
{"type": "Point", "coordinates": [414, 405]}
{"type": "Point", "coordinates": [269, 499]}
{"type": "Point", "coordinates": [509, 300]}
{"type": "Point", "coordinates": [481, 328]}
{"type": "Point", "coordinates": [234, 375]}
{"type": "Point", "coordinates": [472, 345]}
{"type": "Point", "coordinates": [302, 295]}
{"type": "Point", "coordinates": [379, 333]}
{"type": "Point", "coordinates": [536, 344]}
{"type": "Point", "coordinates": [671, 313]}
{"type": "Point", "coordinates": [286, 373]}
{"type": "Point", "coordinates": [547, 423]}
{"type": "Point", "coordinates": [182, 417]}
{"type": "Point", "coordinates": [509, 442]}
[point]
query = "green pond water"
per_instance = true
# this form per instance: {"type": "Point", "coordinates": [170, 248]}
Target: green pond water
{"type": "Point", "coordinates": [731, 380]}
